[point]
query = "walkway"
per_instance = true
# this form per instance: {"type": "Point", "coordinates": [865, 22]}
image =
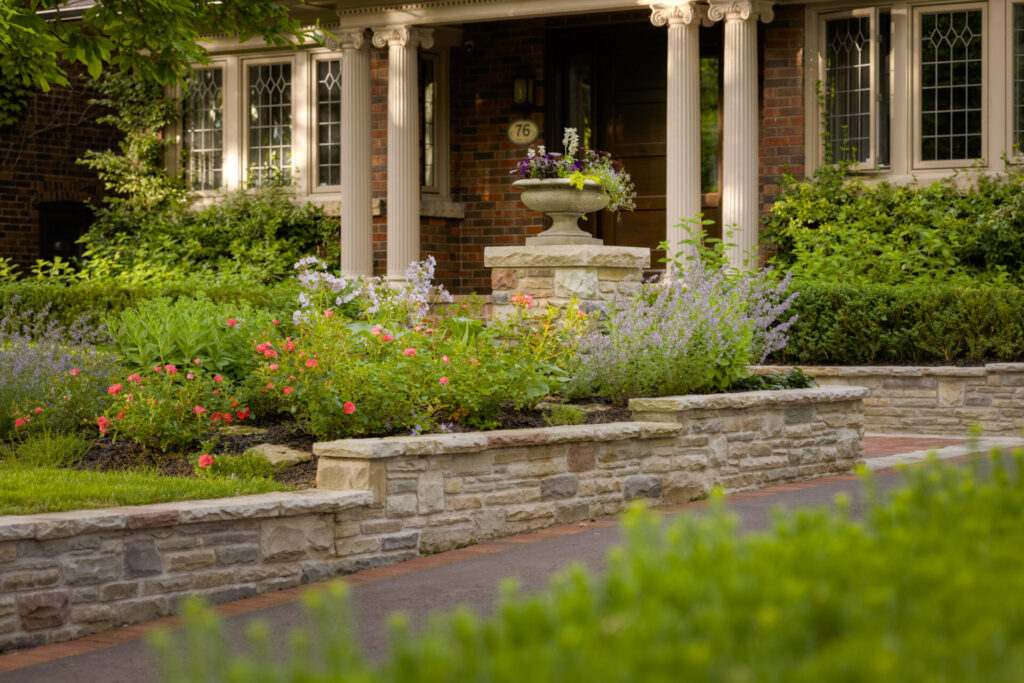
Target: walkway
{"type": "Point", "coordinates": [467, 576]}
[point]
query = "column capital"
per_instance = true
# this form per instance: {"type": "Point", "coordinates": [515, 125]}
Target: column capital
{"type": "Point", "coordinates": [685, 12]}
{"type": "Point", "coordinates": [741, 10]}
{"type": "Point", "coordinates": [354, 39]}
{"type": "Point", "coordinates": [403, 36]}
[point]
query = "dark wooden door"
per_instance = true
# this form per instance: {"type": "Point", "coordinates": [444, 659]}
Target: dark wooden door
{"type": "Point", "coordinates": [610, 84]}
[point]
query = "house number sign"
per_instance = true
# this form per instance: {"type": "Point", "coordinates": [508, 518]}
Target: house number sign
{"type": "Point", "coordinates": [523, 132]}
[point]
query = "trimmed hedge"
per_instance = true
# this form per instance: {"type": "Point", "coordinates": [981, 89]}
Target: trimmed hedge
{"type": "Point", "coordinates": [904, 324]}
{"type": "Point", "coordinates": [927, 588]}
{"type": "Point", "coordinates": [68, 303]}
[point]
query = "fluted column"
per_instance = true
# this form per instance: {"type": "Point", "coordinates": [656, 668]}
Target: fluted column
{"type": "Point", "coordinates": [682, 149]}
{"type": "Point", "coordinates": [740, 149]}
{"type": "Point", "coordinates": [403, 145]}
{"type": "Point", "coordinates": [356, 160]}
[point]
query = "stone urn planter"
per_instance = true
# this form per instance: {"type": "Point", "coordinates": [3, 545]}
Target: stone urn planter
{"type": "Point", "coordinates": [565, 204]}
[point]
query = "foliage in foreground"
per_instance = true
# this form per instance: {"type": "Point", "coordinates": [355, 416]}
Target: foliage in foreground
{"type": "Point", "coordinates": [838, 229]}
{"type": "Point", "coordinates": [927, 587]}
{"type": "Point", "coordinates": [28, 488]}
{"type": "Point", "coordinates": [904, 324]}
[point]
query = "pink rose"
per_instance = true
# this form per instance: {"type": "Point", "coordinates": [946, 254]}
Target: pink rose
{"type": "Point", "coordinates": [274, 366]}
{"type": "Point", "coordinates": [409, 352]}
{"type": "Point", "coordinates": [311, 363]}
{"type": "Point", "coordinates": [232, 322]}
{"type": "Point", "coordinates": [21, 422]}
{"type": "Point", "coordinates": [276, 322]}
{"type": "Point", "coordinates": [74, 372]}
{"type": "Point", "coordinates": [158, 368]}
{"type": "Point", "coordinates": [196, 361]}
{"type": "Point", "coordinates": [38, 410]}
{"type": "Point", "coordinates": [205, 460]}
{"type": "Point", "coordinates": [120, 415]}
{"type": "Point", "coordinates": [443, 380]}
{"type": "Point", "coordinates": [375, 331]}
{"type": "Point", "coordinates": [218, 379]}
{"type": "Point", "coordinates": [134, 378]}
{"type": "Point", "coordinates": [348, 408]}
{"type": "Point", "coordinates": [329, 314]}
{"type": "Point", "coordinates": [387, 337]}
{"type": "Point", "coordinates": [287, 390]}
{"type": "Point", "coordinates": [114, 389]}
{"type": "Point", "coordinates": [190, 376]}
{"type": "Point", "coordinates": [103, 423]}
{"type": "Point", "coordinates": [171, 370]}
{"type": "Point", "coordinates": [446, 359]}
{"type": "Point", "coordinates": [198, 410]}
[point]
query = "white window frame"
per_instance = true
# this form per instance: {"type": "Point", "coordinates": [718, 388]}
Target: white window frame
{"type": "Point", "coordinates": [916, 84]}
{"type": "Point", "coordinates": [314, 57]}
{"type": "Point", "coordinates": [442, 187]}
{"type": "Point", "coordinates": [300, 113]}
{"type": "Point", "coordinates": [1012, 156]}
{"type": "Point", "coordinates": [873, 13]}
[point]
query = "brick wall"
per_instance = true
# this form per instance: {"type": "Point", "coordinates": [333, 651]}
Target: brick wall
{"type": "Point", "coordinates": [782, 103]}
{"type": "Point", "coordinates": [37, 163]}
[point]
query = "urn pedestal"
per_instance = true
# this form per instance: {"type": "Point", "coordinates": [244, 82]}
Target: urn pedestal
{"type": "Point", "coordinates": [565, 204]}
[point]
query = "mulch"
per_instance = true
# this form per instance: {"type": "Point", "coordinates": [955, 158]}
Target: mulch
{"type": "Point", "coordinates": [107, 455]}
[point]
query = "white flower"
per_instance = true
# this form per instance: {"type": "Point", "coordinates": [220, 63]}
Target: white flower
{"type": "Point", "coordinates": [541, 150]}
{"type": "Point", "coordinates": [571, 141]}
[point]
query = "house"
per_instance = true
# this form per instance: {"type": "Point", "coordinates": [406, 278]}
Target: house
{"type": "Point", "coordinates": [410, 118]}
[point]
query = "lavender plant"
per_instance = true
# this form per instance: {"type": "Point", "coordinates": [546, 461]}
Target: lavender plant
{"type": "Point", "coordinates": [693, 334]}
{"type": "Point", "coordinates": [50, 376]}
{"type": "Point", "coordinates": [591, 165]}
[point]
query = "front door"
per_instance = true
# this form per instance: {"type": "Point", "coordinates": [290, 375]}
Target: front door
{"type": "Point", "coordinates": [610, 84]}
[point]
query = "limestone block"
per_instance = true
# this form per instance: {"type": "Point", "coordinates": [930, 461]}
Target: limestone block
{"type": "Point", "coordinates": [380, 526]}
{"type": "Point", "coordinates": [190, 559]}
{"type": "Point", "coordinates": [141, 610]}
{"type": "Point", "coordinates": [488, 524]}
{"type": "Point", "coordinates": [559, 486]}
{"type": "Point", "coordinates": [401, 505]}
{"type": "Point", "coordinates": [582, 457]}
{"type": "Point", "coordinates": [566, 513]}
{"type": "Point", "coordinates": [141, 558]}
{"type": "Point", "coordinates": [296, 537]}
{"type": "Point", "coordinates": [506, 497]}
{"type": "Point", "coordinates": [439, 539]}
{"type": "Point", "coordinates": [37, 578]}
{"type": "Point", "coordinates": [504, 278]}
{"type": "Point", "coordinates": [80, 571]}
{"type": "Point", "coordinates": [355, 474]}
{"type": "Point", "coordinates": [682, 487]}
{"type": "Point", "coordinates": [281, 456]}
{"type": "Point", "coordinates": [237, 554]}
{"type": "Point", "coordinates": [554, 256]}
{"type": "Point", "coordinates": [43, 610]}
{"type": "Point", "coordinates": [430, 492]}
{"type": "Point", "coordinates": [87, 614]}
{"type": "Point", "coordinates": [118, 591]}
{"type": "Point", "coordinates": [400, 541]}
{"type": "Point", "coordinates": [641, 486]}
{"type": "Point", "coordinates": [357, 546]}
{"type": "Point", "coordinates": [576, 282]}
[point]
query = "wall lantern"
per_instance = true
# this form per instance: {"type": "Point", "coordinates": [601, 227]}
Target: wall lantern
{"type": "Point", "coordinates": [523, 92]}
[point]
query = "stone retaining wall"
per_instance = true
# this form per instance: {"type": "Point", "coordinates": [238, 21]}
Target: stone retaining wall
{"type": "Point", "coordinates": [942, 399]}
{"type": "Point", "coordinates": [65, 575]}
{"type": "Point", "coordinates": [437, 492]}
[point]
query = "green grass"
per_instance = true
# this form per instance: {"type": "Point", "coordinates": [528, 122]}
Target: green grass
{"type": "Point", "coordinates": [28, 490]}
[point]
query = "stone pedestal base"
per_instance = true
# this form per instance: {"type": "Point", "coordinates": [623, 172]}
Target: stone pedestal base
{"type": "Point", "coordinates": [555, 274]}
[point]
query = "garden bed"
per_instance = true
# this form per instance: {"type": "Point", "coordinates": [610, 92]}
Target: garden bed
{"type": "Point", "coordinates": [68, 574]}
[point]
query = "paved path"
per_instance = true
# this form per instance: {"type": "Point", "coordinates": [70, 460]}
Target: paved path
{"type": "Point", "coordinates": [467, 576]}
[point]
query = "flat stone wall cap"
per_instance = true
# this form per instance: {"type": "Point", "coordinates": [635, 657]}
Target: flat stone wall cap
{"type": "Point", "coordinates": [889, 370]}
{"type": "Point", "coordinates": [747, 399]}
{"type": "Point", "coordinates": [1005, 367]}
{"type": "Point", "coordinates": [566, 255]}
{"type": "Point", "coordinates": [47, 526]}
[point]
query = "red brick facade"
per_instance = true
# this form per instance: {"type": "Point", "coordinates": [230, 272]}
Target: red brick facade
{"type": "Point", "coordinates": [37, 156]}
{"type": "Point", "coordinates": [37, 163]}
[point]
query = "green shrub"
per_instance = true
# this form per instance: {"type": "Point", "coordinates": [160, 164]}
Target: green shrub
{"type": "Point", "coordinates": [927, 587]}
{"type": "Point", "coordinates": [906, 324]}
{"type": "Point", "coordinates": [248, 465]}
{"type": "Point", "coordinates": [46, 448]}
{"type": "Point", "coordinates": [98, 300]}
{"type": "Point", "coordinates": [835, 228]}
{"type": "Point", "coordinates": [161, 331]}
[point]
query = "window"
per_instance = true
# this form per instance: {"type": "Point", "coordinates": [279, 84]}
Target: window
{"type": "Point", "coordinates": [855, 88]}
{"type": "Point", "coordinates": [1018, 79]}
{"type": "Point", "coordinates": [204, 130]}
{"type": "Point", "coordinates": [270, 121]}
{"type": "Point", "coordinates": [428, 121]}
{"type": "Point", "coordinates": [328, 122]}
{"type": "Point", "coordinates": [951, 85]}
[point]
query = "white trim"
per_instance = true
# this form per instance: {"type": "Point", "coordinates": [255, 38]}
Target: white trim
{"type": "Point", "coordinates": [463, 11]}
{"type": "Point", "coordinates": [314, 57]}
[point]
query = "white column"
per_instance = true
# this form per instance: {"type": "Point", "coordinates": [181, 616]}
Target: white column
{"type": "Point", "coordinates": [356, 164]}
{"type": "Point", "coordinates": [682, 149]}
{"type": "Point", "coordinates": [403, 205]}
{"type": "Point", "coordinates": [740, 148]}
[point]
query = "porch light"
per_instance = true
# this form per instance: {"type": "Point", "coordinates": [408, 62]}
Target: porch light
{"type": "Point", "coordinates": [523, 92]}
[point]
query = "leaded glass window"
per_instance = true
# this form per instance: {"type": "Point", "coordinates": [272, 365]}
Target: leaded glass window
{"type": "Point", "coordinates": [1018, 78]}
{"type": "Point", "coordinates": [428, 113]}
{"type": "Point", "coordinates": [951, 85]}
{"type": "Point", "coordinates": [204, 129]}
{"type": "Point", "coordinates": [328, 122]}
{"type": "Point", "coordinates": [270, 122]}
{"type": "Point", "coordinates": [848, 89]}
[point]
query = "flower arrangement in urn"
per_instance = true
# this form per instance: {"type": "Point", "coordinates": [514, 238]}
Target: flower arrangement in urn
{"type": "Point", "coordinates": [567, 186]}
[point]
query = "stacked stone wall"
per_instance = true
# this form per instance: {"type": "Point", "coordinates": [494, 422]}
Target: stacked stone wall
{"type": "Point", "coordinates": [937, 400]}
